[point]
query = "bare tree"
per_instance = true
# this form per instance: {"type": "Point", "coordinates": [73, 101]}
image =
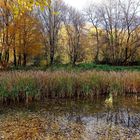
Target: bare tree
{"type": "Point", "coordinates": [131, 26]}
{"type": "Point", "coordinates": [93, 17]}
{"type": "Point", "coordinates": [74, 24]}
{"type": "Point", "coordinates": [51, 19]}
{"type": "Point", "coordinates": [119, 21]}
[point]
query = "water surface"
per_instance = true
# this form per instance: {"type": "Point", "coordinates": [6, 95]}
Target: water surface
{"type": "Point", "coordinates": [103, 119]}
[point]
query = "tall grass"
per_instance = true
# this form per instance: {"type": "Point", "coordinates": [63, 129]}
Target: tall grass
{"type": "Point", "coordinates": [34, 85]}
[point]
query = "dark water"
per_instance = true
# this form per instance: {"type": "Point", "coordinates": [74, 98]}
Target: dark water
{"type": "Point", "coordinates": [104, 118]}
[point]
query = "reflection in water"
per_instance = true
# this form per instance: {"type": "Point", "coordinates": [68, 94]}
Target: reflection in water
{"type": "Point", "coordinates": [110, 118]}
{"type": "Point", "coordinates": [109, 101]}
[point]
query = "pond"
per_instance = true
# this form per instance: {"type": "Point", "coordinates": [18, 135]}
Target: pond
{"type": "Point", "coordinates": [101, 119]}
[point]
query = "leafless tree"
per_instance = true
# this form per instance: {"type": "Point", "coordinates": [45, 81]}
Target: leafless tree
{"type": "Point", "coordinates": [51, 19]}
{"type": "Point", "coordinates": [93, 17]}
{"type": "Point", "coordinates": [74, 23]}
{"type": "Point", "coordinates": [120, 21]}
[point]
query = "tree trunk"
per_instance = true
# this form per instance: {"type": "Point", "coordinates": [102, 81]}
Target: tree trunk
{"type": "Point", "coordinates": [7, 56]}
{"type": "Point", "coordinates": [19, 60]}
{"type": "Point", "coordinates": [97, 46]}
{"type": "Point", "coordinates": [15, 59]}
{"type": "Point", "coordinates": [24, 59]}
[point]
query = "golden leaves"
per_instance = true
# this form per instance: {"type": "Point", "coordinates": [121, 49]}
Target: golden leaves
{"type": "Point", "coordinates": [30, 4]}
{"type": "Point", "coordinates": [56, 13]}
{"type": "Point", "coordinates": [31, 126]}
{"type": "Point", "coordinates": [18, 7]}
{"type": "Point", "coordinates": [20, 128]}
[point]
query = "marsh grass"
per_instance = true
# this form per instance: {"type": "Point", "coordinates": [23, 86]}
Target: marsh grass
{"type": "Point", "coordinates": [19, 86]}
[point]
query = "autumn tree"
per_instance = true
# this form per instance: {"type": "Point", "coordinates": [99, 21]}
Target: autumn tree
{"type": "Point", "coordinates": [10, 12]}
{"type": "Point", "coordinates": [28, 38]}
{"type": "Point", "coordinates": [5, 21]}
{"type": "Point", "coordinates": [30, 28]}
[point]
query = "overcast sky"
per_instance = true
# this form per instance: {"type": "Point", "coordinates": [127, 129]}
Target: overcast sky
{"type": "Point", "coordinates": [79, 4]}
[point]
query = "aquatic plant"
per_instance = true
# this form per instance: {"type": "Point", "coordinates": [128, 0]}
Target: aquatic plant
{"type": "Point", "coordinates": [35, 85]}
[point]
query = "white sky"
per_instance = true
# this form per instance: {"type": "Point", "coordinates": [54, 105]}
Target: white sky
{"type": "Point", "coordinates": [79, 4]}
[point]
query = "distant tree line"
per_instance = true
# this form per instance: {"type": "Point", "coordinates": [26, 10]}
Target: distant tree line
{"type": "Point", "coordinates": [58, 33]}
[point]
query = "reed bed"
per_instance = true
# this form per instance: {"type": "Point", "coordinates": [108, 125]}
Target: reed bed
{"type": "Point", "coordinates": [19, 86]}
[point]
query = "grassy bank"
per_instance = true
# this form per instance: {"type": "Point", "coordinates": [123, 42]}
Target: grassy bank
{"type": "Point", "coordinates": [35, 85]}
{"type": "Point", "coordinates": [78, 67]}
